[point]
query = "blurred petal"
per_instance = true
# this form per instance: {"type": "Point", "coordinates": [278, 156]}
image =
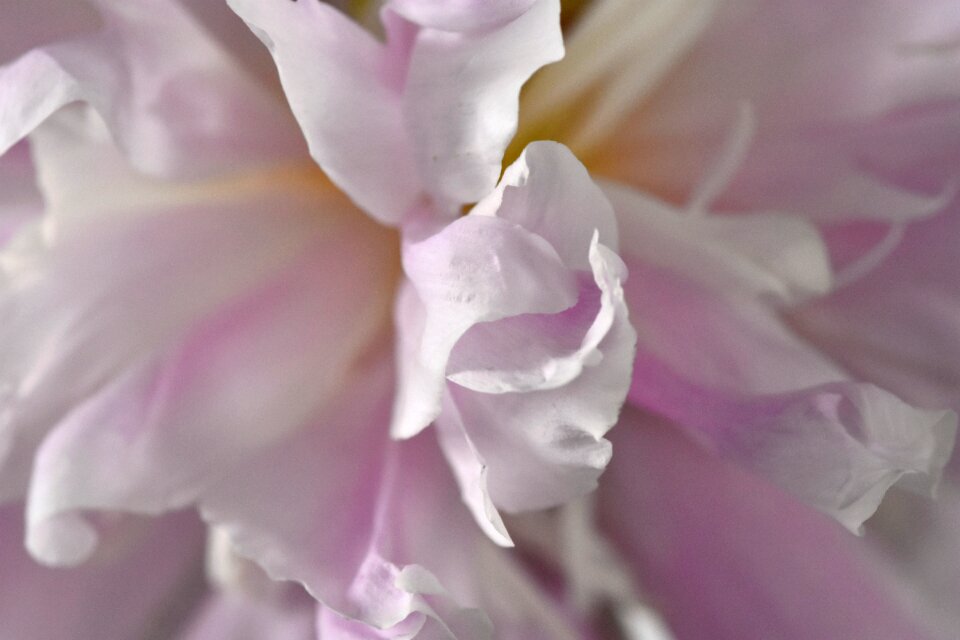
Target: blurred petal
{"type": "Point", "coordinates": [725, 556]}
{"type": "Point", "coordinates": [758, 254]}
{"type": "Point", "coordinates": [185, 417]}
{"type": "Point", "coordinates": [144, 587]}
{"type": "Point", "coordinates": [899, 325]}
{"type": "Point", "coordinates": [82, 302]}
{"type": "Point", "coordinates": [205, 115]}
{"type": "Point", "coordinates": [460, 15]}
{"type": "Point", "coordinates": [233, 616]}
{"type": "Point", "coordinates": [826, 122]}
{"type": "Point", "coordinates": [731, 373]}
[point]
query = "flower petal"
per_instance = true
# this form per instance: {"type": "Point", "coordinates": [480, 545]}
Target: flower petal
{"type": "Point", "coordinates": [758, 254]}
{"type": "Point", "coordinates": [141, 583]}
{"type": "Point", "coordinates": [185, 417]}
{"type": "Point", "coordinates": [543, 447]}
{"type": "Point", "coordinates": [731, 374]}
{"type": "Point", "coordinates": [80, 302]}
{"type": "Point", "coordinates": [334, 76]}
{"type": "Point", "coordinates": [725, 556]}
{"type": "Point", "coordinates": [477, 269]}
{"type": "Point", "coordinates": [549, 192]}
{"type": "Point", "coordinates": [461, 98]}
{"type": "Point", "coordinates": [460, 15]}
{"type": "Point", "coordinates": [205, 115]}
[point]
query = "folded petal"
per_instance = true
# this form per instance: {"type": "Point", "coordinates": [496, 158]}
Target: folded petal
{"type": "Point", "coordinates": [739, 381]}
{"type": "Point", "coordinates": [723, 555]}
{"type": "Point", "coordinates": [549, 192]}
{"type": "Point", "coordinates": [477, 269]}
{"type": "Point", "coordinates": [205, 116]}
{"type": "Point", "coordinates": [334, 76]}
{"type": "Point", "coordinates": [461, 97]}
{"type": "Point", "coordinates": [538, 446]}
{"type": "Point", "coordinates": [183, 417]}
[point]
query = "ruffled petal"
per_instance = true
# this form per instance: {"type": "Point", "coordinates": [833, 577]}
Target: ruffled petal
{"type": "Point", "coordinates": [185, 417]}
{"type": "Point", "coordinates": [335, 77]}
{"type": "Point", "coordinates": [205, 116]}
{"type": "Point", "coordinates": [725, 556]}
{"type": "Point", "coordinates": [731, 374]}
{"type": "Point", "coordinates": [549, 192]}
{"type": "Point", "coordinates": [461, 98]}
{"type": "Point", "coordinates": [477, 269]}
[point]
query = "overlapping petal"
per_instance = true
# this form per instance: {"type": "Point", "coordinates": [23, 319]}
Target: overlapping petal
{"type": "Point", "coordinates": [724, 555]}
{"type": "Point", "coordinates": [428, 113]}
{"type": "Point", "coordinates": [515, 315]}
{"type": "Point", "coordinates": [194, 113]}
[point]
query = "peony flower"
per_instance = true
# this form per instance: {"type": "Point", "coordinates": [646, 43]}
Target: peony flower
{"type": "Point", "coordinates": [196, 318]}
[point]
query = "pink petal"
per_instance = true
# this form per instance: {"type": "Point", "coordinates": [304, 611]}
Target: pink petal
{"type": "Point", "coordinates": [898, 325]}
{"type": "Point", "coordinates": [81, 302]}
{"type": "Point", "coordinates": [825, 122]}
{"type": "Point", "coordinates": [332, 72]}
{"type": "Point", "coordinates": [731, 374]}
{"type": "Point", "coordinates": [461, 98]}
{"type": "Point", "coordinates": [461, 15]}
{"type": "Point", "coordinates": [725, 556]}
{"type": "Point", "coordinates": [147, 580]}
{"type": "Point", "coordinates": [477, 269]}
{"type": "Point", "coordinates": [779, 257]}
{"type": "Point", "coordinates": [238, 618]}
{"type": "Point", "coordinates": [205, 115]}
{"type": "Point", "coordinates": [185, 417]}
{"type": "Point", "coordinates": [549, 192]}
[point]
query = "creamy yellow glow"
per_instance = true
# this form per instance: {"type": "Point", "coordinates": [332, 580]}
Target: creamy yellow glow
{"type": "Point", "coordinates": [617, 52]}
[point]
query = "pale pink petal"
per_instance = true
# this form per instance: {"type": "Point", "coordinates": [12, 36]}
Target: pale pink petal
{"type": "Point", "coordinates": [830, 87]}
{"type": "Point", "coordinates": [899, 324]}
{"type": "Point", "coordinates": [226, 615]}
{"type": "Point", "coordinates": [461, 99]}
{"type": "Point", "coordinates": [477, 269]}
{"type": "Point", "coordinates": [549, 192]}
{"type": "Point", "coordinates": [168, 426]}
{"type": "Point", "coordinates": [741, 383]}
{"type": "Point", "coordinates": [537, 446]}
{"type": "Point", "coordinates": [779, 257]}
{"type": "Point", "coordinates": [73, 320]}
{"type": "Point", "coordinates": [20, 202]}
{"type": "Point", "coordinates": [460, 15]}
{"type": "Point", "coordinates": [334, 76]}
{"type": "Point", "coordinates": [725, 556]}
{"type": "Point", "coordinates": [32, 24]}
{"type": "Point", "coordinates": [146, 583]}
{"type": "Point", "coordinates": [205, 116]}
